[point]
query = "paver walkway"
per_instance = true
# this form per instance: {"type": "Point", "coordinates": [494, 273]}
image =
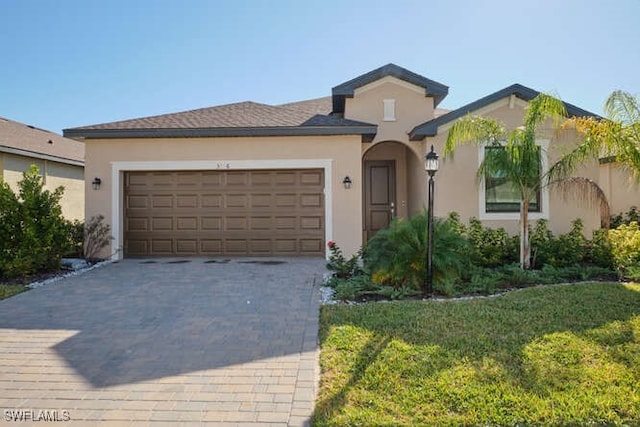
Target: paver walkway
{"type": "Point", "coordinates": [166, 342]}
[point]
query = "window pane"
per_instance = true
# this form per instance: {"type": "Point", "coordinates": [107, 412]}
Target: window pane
{"type": "Point", "coordinates": [501, 196]}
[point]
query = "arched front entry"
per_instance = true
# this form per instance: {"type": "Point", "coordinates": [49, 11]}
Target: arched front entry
{"type": "Point", "coordinates": [393, 180]}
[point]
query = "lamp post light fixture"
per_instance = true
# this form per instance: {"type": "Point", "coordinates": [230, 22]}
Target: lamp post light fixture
{"type": "Point", "coordinates": [431, 167]}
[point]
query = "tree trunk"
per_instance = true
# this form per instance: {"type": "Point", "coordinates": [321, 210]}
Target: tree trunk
{"type": "Point", "coordinates": [525, 258]}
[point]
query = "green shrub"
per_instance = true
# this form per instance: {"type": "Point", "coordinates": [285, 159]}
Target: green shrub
{"type": "Point", "coordinates": [341, 267]}
{"type": "Point", "coordinates": [633, 214]}
{"type": "Point", "coordinates": [353, 288]}
{"type": "Point", "coordinates": [36, 235]}
{"type": "Point", "coordinates": [491, 247]}
{"type": "Point", "coordinates": [75, 236]}
{"type": "Point", "coordinates": [396, 256]}
{"type": "Point", "coordinates": [598, 250]}
{"type": "Point", "coordinates": [570, 248]}
{"type": "Point", "coordinates": [625, 248]}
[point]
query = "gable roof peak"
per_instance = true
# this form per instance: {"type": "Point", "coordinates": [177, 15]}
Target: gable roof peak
{"type": "Point", "coordinates": [430, 128]}
{"type": "Point", "coordinates": [347, 89]}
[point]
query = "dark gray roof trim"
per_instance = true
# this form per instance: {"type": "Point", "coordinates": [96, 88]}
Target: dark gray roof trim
{"type": "Point", "coordinates": [346, 90]}
{"type": "Point", "coordinates": [35, 155]}
{"type": "Point", "coordinates": [430, 128]}
{"type": "Point", "coordinates": [367, 131]}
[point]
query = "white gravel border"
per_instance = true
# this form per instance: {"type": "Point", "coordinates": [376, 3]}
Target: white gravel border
{"type": "Point", "coordinates": [55, 279]}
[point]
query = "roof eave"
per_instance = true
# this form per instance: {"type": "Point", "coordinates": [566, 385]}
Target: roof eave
{"type": "Point", "coordinates": [36, 155]}
{"type": "Point", "coordinates": [219, 132]}
{"type": "Point", "coordinates": [430, 128]}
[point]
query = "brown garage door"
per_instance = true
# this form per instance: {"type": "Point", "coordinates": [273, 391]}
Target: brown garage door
{"type": "Point", "coordinates": [230, 213]}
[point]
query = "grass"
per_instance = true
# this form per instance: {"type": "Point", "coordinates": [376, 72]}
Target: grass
{"type": "Point", "coordinates": [7, 290]}
{"type": "Point", "coordinates": [557, 355]}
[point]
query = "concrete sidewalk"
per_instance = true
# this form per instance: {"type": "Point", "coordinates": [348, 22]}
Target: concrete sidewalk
{"type": "Point", "coordinates": [166, 342]}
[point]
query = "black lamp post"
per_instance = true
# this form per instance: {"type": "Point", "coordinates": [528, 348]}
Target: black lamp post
{"type": "Point", "coordinates": [431, 167]}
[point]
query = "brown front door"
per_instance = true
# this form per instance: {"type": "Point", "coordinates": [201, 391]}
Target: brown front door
{"type": "Point", "coordinates": [379, 195]}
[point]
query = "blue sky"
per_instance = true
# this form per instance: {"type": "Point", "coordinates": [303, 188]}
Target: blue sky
{"type": "Point", "coordinates": [68, 63]}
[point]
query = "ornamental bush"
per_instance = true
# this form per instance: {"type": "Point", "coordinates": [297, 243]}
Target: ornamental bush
{"type": "Point", "coordinates": [625, 249]}
{"type": "Point", "coordinates": [34, 235]}
{"type": "Point", "coordinates": [396, 256]}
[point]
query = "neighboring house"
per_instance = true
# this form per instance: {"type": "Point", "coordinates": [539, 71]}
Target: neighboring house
{"type": "Point", "coordinates": [259, 180]}
{"type": "Point", "coordinates": [60, 160]}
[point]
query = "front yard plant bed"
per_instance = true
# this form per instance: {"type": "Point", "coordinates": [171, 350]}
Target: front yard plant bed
{"type": "Point", "coordinates": [557, 355]}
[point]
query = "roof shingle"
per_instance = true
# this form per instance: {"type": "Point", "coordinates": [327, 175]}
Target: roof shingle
{"type": "Point", "coordinates": [28, 139]}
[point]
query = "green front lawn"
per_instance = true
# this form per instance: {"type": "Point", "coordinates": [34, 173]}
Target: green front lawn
{"type": "Point", "coordinates": [547, 355]}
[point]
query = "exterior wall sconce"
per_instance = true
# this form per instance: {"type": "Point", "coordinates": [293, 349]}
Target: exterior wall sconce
{"type": "Point", "coordinates": [346, 182]}
{"type": "Point", "coordinates": [96, 183]}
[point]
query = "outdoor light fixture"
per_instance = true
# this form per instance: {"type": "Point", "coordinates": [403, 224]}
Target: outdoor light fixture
{"type": "Point", "coordinates": [346, 182]}
{"type": "Point", "coordinates": [431, 167]}
{"type": "Point", "coordinates": [431, 162]}
{"type": "Point", "coordinates": [96, 183]}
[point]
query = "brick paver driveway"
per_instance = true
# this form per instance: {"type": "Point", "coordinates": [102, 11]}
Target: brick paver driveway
{"type": "Point", "coordinates": [166, 342]}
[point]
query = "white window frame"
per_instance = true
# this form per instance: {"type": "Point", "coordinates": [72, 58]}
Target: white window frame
{"type": "Point", "coordinates": [544, 192]}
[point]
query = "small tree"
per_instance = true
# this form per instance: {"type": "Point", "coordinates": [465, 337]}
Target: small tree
{"type": "Point", "coordinates": [34, 232]}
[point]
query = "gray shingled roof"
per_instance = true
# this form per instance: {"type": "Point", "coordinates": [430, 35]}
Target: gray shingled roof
{"type": "Point", "coordinates": [26, 140]}
{"type": "Point", "coordinates": [430, 128]}
{"type": "Point", "coordinates": [239, 119]}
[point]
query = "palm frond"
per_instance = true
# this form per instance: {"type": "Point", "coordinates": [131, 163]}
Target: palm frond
{"type": "Point", "coordinates": [586, 191]}
{"type": "Point", "coordinates": [541, 108]}
{"type": "Point", "coordinates": [623, 108]}
{"type": "Point", "coordinates": [474, 129]}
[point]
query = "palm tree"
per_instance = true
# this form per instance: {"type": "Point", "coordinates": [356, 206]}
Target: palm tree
{"type": "Point", "coordinates": [518, 161]}
{"type": "Point", "coordinates": [617, 138]}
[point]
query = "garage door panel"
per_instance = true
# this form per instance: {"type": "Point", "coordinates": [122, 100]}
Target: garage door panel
{"type": "Point", "coordinates": [213, 213]}
{"type": "Point", "coordinates": [211, 247]}
{"type": "Point", "coordinates": [238, 178]}
{"type": "Point", "coordinates": [162, 201]}
{"type": "Point", "coordinates": [285, 200]}
{"type": "Point", "coordinates": [236, 246]}
{"type": "Point", "coordinates": [311, 200]}
{"type": "Point", "coordinates": [161, 247]}
{"type": "Point", "coordinates": [311, 245]}
{"type": "Point", "coordinates": [189, 201]}
{"type": "Point", "coordinates": [187, 246]}
{"type": "Point", "coordinates": [261, 223]}
{"type": "Point", "coordinates": [211, 223]}
{"type": "Point", "coordinates": [311, 178]}
{"type": "Point", "coordinates": [137, 202]}
{"type": "Point", "coordinates": [161, 224]}
{"type": "Point", "coordinates": [311, 223]}
{"type": "Point", "coordinates": [186, 223]}
{"type": "Point", "coordinates": [236, 201]}
{"type": "Point", "coordinates": [286, 178]}
{"type": "Point", "coordinates": [235, 223]}
{"type": "Point", "coordinates": [211, 200]}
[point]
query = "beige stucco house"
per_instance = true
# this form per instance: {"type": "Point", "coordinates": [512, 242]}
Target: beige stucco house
{"type": "Point", "coordinates": [279, 180]}
{"type": "Point", "coordinates": [60, 161]}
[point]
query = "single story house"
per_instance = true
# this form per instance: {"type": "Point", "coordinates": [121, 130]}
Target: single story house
{"type": "Point", "coordinates": [60, 161]}
{"type": "Point", "coordinates": [250, 179]}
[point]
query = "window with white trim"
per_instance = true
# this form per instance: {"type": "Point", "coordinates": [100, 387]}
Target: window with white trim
{"type": "Point", "coordinates": [499, 200]}
{"type": "Point", "coordinates": [501, 195]}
